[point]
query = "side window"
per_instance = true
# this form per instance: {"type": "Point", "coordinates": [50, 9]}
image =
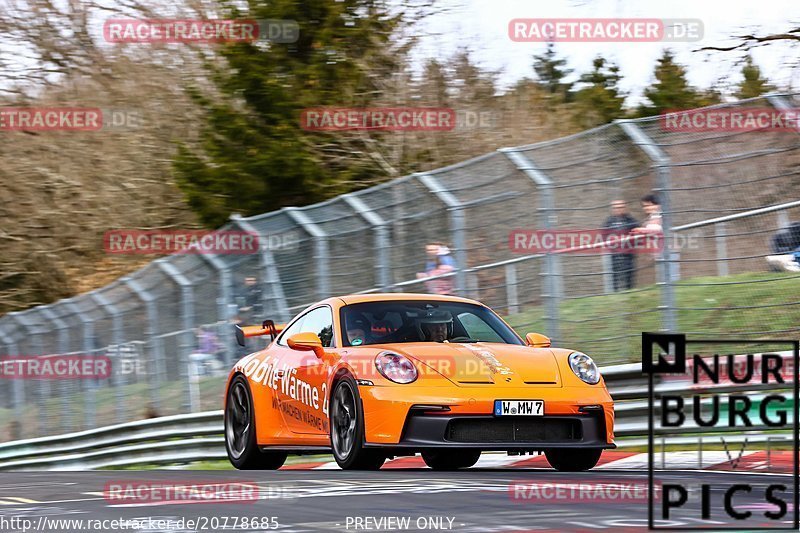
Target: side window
{"type": "Point", "coordinates": [297, 327]}
{"type": "Point", "coordinates": [320, 321]}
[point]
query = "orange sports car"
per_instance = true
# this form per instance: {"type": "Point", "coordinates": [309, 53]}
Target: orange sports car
{"type": "Point", "coordinates": [368, 377]}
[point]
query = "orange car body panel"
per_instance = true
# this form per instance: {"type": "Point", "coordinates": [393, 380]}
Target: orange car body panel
{"type": "Point", "coordinates": [291, 389]}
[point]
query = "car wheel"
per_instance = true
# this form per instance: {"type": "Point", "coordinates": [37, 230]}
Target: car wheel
{"type": "Point", "coordinates": [573, 460]}
{"type": "Point", "coordinates": [450, 459]}
{"type": "Point", "coordinates": [347, 430]}
{"type": "Point", "coordinates": [240, 431]}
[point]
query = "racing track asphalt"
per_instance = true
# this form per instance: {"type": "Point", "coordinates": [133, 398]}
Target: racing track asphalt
{"type": "Point", "coordinates": [477, 500]}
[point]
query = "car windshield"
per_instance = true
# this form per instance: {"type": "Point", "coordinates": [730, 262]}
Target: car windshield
{"type": "Point", "coordinates": [422, 321]}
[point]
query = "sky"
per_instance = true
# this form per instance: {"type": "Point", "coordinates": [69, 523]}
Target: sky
{"type": "Point", "coordinates": [482, 27]}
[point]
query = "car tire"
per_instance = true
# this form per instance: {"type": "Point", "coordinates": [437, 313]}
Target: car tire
{"type": "Point", "coordinates": [347, 429]}
{"type": "Point", "coordinates": [450, 459]}
{"type": "Point", "coordinates": [573, 459]}
{"type": "Point", "coordinates": [240, 431]}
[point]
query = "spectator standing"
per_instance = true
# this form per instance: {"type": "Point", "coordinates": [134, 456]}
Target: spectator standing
{"type": "Point", "coordinates": [207, 341]}
{"type": "Point", "coordinates": [653, 228]}
{"type": "Point", "coordinates": [786, 249]}
{"type": "Point", "coordinates": [652, 224]}
{"type": "Point", "coordinates": [250, 301]}
{"type": "Point", "coordinates": [786, 240]}
{"type": "Point", "coordinates": [440, 285]}
{"type": "Point", "coordinates": [438, 262]}
{"type": "Point", "coordinates": [623, 265]}
{"type": "Point", "coordinates": [435, 252]}
{"type": "Point", "coordinates": [205, 359]}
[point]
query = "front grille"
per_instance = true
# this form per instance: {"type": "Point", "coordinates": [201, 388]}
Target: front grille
{"type": "Point", "coordinates": [513, 430]}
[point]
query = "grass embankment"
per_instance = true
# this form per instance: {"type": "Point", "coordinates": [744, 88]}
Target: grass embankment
{"type": "Point", "coordinates": [762, 304]}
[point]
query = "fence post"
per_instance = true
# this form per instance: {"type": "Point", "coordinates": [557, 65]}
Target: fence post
{"type": "Point", "coordinates": [89, 402]}
{"type": "Point", "coordinates": [276, 287]}
{"type": "Point", "coordinates": [662, 164]}
{"type": "Point", "coordinates": [722, 249]}
{"type": "Point", "coordinates": [116, 377]}
{"type": "Point", "coordinates": [397, 231]}
{"type": "Point", "coordinates": [383, 273]}
{"type": "Point", "coordinates": [512, 297]}
{"type": "Point", "coordinates": [18, 387]}
{"type": "Point", "coordinates": [224, 302]}
{"type": "Point", "coordinates": [269, 273]}
{"type": "Point", "coordinates": [778, 101]}
{"type": "Point", "coordinates": [151, 333]}
{"type": "Point", "coordinates": [63, 347]}
{"type": "Point", "coordinates": [189, 323]}
{"type": "Point", "coordinates": [43, 389]}
{"type": "Point", "coordinates": [551, 288]}
{"type": "Point", "coordinates": [457, 222]}
{"type": "Point", "coordinates": [473, 284]}
{"type": "Point", "coordinates": [322, 254]}
{"type": "Point", "coordinates": [783, 220]}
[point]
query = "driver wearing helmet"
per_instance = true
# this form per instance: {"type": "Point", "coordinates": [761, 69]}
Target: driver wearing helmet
{"type": "Point", "coordinates": [357, 328]}
{"type": "Point", "coordinates": [435, 325]}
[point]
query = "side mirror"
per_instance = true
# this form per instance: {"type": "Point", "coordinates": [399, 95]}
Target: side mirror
{"type": "Point", "coordinates": [537, 340]}
{"type": "Point", "coordinates": [306, 341]}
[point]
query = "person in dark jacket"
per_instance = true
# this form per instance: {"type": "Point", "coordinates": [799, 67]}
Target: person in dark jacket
{"type": "Point", "coordinates": [623, 265]}
{"type": "Point", "coordinates": [787, 239]}
{"type": "Point", "coordinates": [786, 249]}
{"type": "Point", "coordinates": [249, 301]}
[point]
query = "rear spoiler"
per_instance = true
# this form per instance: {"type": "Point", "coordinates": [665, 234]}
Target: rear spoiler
{"type": "Point", "coordinates": [268, 327]}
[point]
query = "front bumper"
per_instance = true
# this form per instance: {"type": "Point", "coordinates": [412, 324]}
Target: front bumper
{"type": "Point", "coordinates": [505, 433]}
{"type": "Point", "coordinates": [392, 417]}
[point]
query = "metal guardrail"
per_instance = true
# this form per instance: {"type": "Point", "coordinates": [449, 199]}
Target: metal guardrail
{"type": "Point", "coordinates": [189, 437]}
{"type": "Point", "coordinates": [198, 436]}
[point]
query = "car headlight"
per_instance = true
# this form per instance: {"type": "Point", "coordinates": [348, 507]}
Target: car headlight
{"type": "Point", "coordinates": [396, 367]}
{"type": "Point", "coordinates": [584, 368]}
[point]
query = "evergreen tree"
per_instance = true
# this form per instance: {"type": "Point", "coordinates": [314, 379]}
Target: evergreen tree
{"type": "Point", "coordinates": [254, 156]}
{"type": "Point", "coordinates": [471, 82]}
{"type": "Point", "coordinates": [753, 83]}
{"type": "Point", "coordinates": [434, 88]}
{"type": "Point", "coordinates": [671, 90]}
{"type": "Point", "coordinates": [601, 100]}
{"type": "Point", "coordinates": [550, 73]}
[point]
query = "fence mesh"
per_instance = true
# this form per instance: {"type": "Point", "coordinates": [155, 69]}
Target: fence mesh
{"type": "Point", "coordinates": [728, 197]}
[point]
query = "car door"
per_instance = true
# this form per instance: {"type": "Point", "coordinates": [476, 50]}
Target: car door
{"type": "Point", "coordinates": [303, 388]}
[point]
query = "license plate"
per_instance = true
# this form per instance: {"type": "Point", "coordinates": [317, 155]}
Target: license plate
{"type": "Point", "coordinates": [519, 408]}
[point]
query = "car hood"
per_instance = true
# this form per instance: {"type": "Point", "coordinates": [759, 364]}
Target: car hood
{"type": "Point", "coordinates": [481, 363]}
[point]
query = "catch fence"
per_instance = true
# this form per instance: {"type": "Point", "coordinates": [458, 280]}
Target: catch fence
{"type": "Point", "coordinates": [724, 196]}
